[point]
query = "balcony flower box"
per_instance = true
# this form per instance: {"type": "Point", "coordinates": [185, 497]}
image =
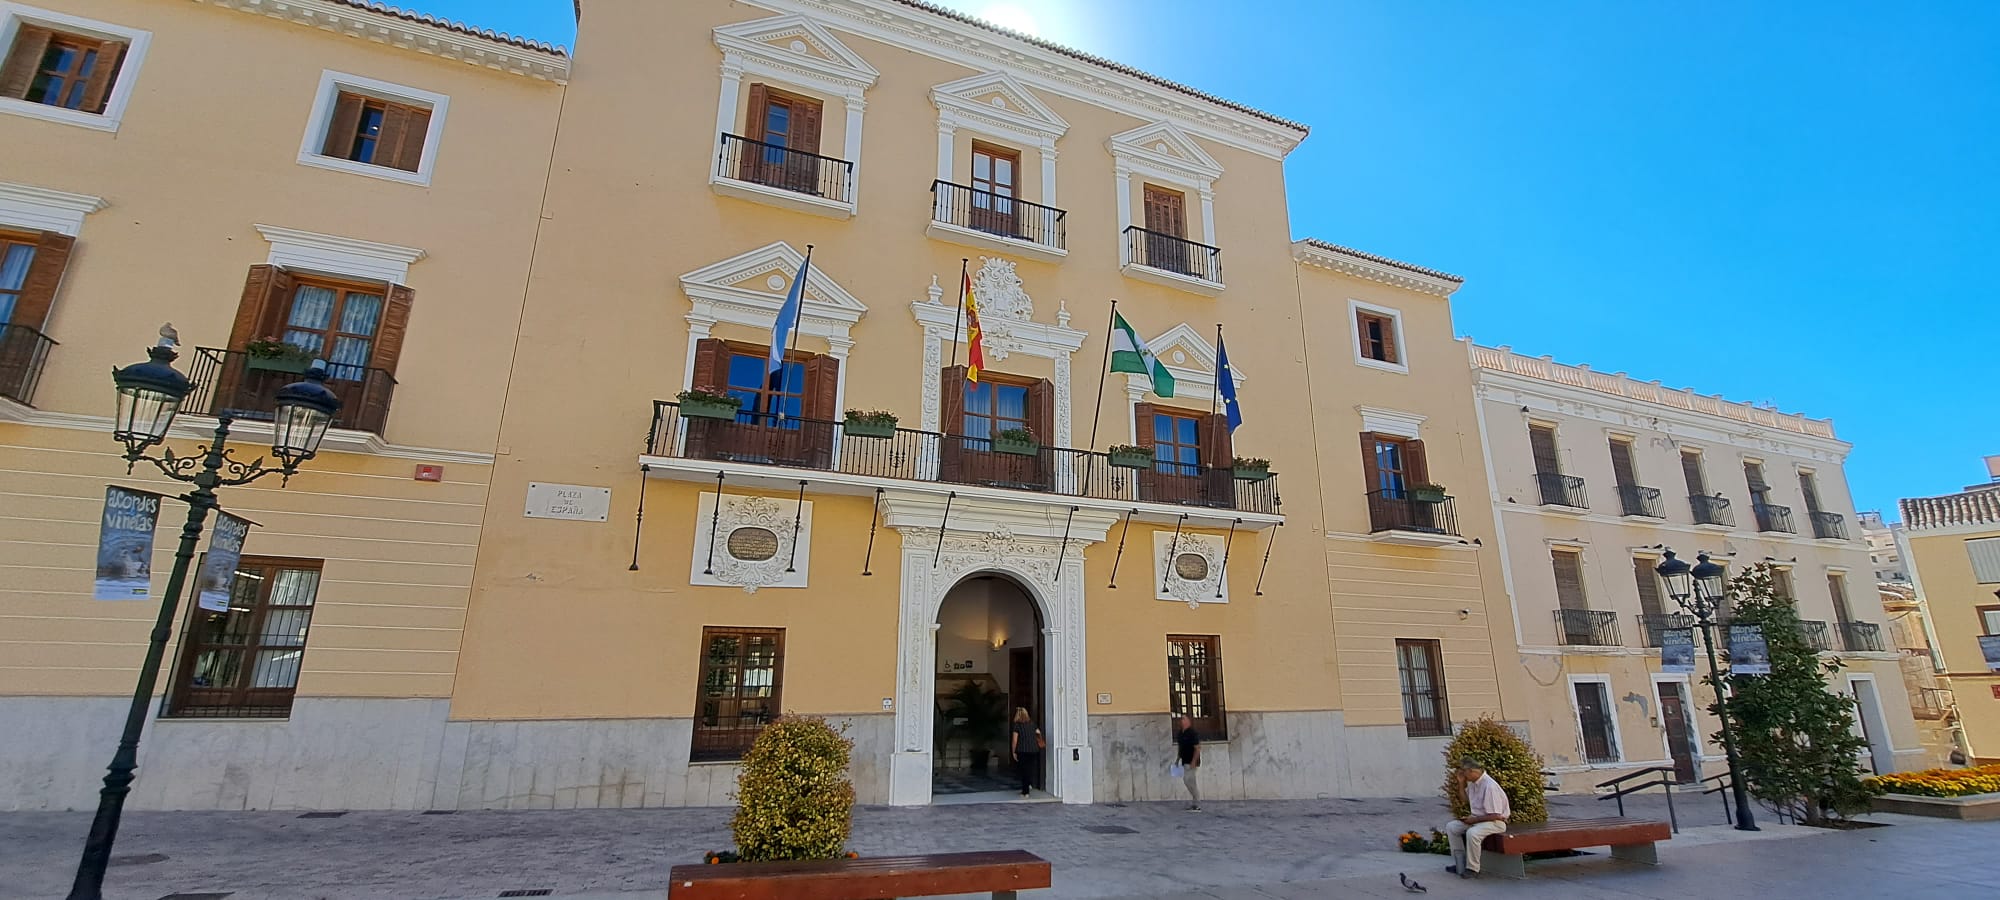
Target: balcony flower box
{"type": "Point", "coordinates": [704, 405]}
{"type": "Point", "coordinates": [273, 355]}
{"type": "Point", "coordinates": [875, 424]}
{"type": "Point", "coordinates": [1251, 469]}
{"type": "Point", "coordinates": [1018, 441]}
{"type": "Point", "coordinates": [1130, 457]}
{"type": "Point", "coordinates": [1427, 493]}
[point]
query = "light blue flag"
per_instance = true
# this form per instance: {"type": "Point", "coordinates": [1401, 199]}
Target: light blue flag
{"type": "Point", "coordinates": [788, 319]}
{"type": "Point", "coordinates": [1226, 383]}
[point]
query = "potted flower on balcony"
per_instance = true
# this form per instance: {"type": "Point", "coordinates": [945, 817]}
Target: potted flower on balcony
{"type": "Point", "coordinates": [699, 404]}
{"type": "Point", "coordinates": [1018, 441]}
{"type": "Point", "coordinates": [872, 423]}
{"type": "Point", "coordinates": [1130, 456]}
{"type": "Point", "coordinates": [1250, 468]}
{"type": "Point", "coordinates": [1427, 493]}
{"type": "Point", "coordinates": [273, 355]}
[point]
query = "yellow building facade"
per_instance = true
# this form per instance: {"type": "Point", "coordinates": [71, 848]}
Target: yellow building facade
{"type": "Point", "coordinates": [1952, 551]}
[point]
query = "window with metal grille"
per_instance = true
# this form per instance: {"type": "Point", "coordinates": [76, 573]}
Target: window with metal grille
{"type": "Point", "coordinates": [243, 661]}
{"type": "Point", "coordinates": [1194, 683]}
{"type": "Point", "coordinates": [1420, 668]}
{"type": "Point", "coordinates": [742, 675]}
{"type": "Point", "coordinates": [1593, 714]}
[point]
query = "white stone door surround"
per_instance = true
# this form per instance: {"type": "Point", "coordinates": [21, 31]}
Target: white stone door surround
{"type": "Point", "coordinates": [1019, 540]}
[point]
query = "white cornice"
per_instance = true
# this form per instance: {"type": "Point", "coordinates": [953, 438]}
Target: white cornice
{"type": "Point", "coordinates": [1574, 402]}
{"type": "Point", "coordinates": [335, 255]}
{"type": "Point", "coordinates": [416, 35]}
{"type": "Point", "coordinates": [44, 209]}
{"type": "Point", "coordinates": [1312, 254]}
{"type": "Point", "coordinates": [982, 49]}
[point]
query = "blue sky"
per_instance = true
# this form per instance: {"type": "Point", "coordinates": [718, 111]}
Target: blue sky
{"type": "Point", "coordinates": [1778, 202]}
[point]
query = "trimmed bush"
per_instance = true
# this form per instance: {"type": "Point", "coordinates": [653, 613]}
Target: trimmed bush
{"type": "Point", "coordinates": [794, 800]}
{"type": "Point", "coordinates": [1511, 762]}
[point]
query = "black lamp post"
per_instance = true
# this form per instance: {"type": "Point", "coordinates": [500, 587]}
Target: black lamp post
{"type": "Point", "coordinates": [1699, 590]}
{"type": "Point", "coordinates": [149, 396]}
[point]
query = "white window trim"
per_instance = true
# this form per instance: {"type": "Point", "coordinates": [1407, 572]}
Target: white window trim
{"type": "Point", "coordinates": [1183, 165]}
{"type": "Point", "coordinates": [752, 48]}
{"type": "Point", "coordinates": [1023, 122]}
{"type": "Point", "coordinates": [1611, 716]}
{"type": "Point", "coordinates": [331, 83]}
{"type": "Point", "coordinates": [42, 209]}
{"type": "Point", "coordinates": [136, 42]}
{"type": "Point", "coordinates": [1395, 317]}
{"type": "Point", "coordinates": [1391, 421]}
{"type": "Point", "coordinates": [1694, 722]}
{"type": "Point", "coordinates": [346, 257]}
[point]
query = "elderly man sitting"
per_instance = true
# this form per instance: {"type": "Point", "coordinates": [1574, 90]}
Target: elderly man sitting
{"type": "Point", "coordinates": [1490, 810]}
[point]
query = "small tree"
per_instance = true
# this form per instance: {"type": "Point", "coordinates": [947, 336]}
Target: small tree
{"type": "Point", "coordinates": [1508, 758]}
{"type": "Point", "coordinates": [1796, 739]}
{"type": "Point", "coordinates": [793, 799]}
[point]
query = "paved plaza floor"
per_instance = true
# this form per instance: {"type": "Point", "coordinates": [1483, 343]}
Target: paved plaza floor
{"type": "Point", "coordinates": [1244, 850]}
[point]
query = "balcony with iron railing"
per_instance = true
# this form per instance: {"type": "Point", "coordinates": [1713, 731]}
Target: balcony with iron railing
{"type": "Point", "coordinates": [1817, 635]}
{"type": "Point", "coordinates": [1860, 637]}
{"type": "Point", "coordinates": [907, 454]}
{"type": "Point", "coordinates": [1829, 525]}
{"type": "Point", "coordinates": [1405, 517]}
{"type": "Point", "coordinates": [1562, 490]}
{"type": "Point", "coordinates": [1931, 703]}
{"type": "Point", "coordinates": [1587, 627]}
{"type": "Point", "coordinates": [772, 173]}
{"type": "Point", "coordinates": [1711, 510]}
{"type": "Point", "coordinates": [1652, 625]}
{"type": "Point", "coordinates": [1172, 260]}
{"type": "Point", "coordinates": [969, 215]}
{"type": "Point", "coordinates": [1641, 501]}
{"type": "Point", "coordinates": [242, 386]}
{"type": "Point", "coordinates": [1773, 518]}
{"type": "Point", "coordinates": [23, 352]}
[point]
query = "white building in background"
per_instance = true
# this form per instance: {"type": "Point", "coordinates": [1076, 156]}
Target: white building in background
{"type": "Point", "coordinates": [1884, 549]}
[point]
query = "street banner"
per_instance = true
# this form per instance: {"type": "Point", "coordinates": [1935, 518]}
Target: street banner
{"type": "Point", "coordinates": [125, 544]}
{"type": "Point", "coordinates": [1748, 653]}
{"type": "Point", "coordinates": [218, 568]}
{"type": "Point", "coordinates": [1989, 644]}
{"type": "Point", "coordinates": [1677, 650]}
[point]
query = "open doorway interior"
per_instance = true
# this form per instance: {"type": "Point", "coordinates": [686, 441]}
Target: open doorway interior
{"type": "Point", "coordinates": [989, 664]}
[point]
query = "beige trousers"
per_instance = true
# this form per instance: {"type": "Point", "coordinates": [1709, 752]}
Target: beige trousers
{"type": "Point", "coordinates": [1465, 839]}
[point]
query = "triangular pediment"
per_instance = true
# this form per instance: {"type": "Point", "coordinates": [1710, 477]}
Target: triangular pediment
{"type": "Point", "coordinates": [1165, 144]}
{"type": "Point", "coordinates": [758, 282]}
{"type": "Point", "coordinates": [797, 42]}
{"type": "Point", "coordinates": [998, 96]}
{"type": "Point", "coordinates": [1190, 357]}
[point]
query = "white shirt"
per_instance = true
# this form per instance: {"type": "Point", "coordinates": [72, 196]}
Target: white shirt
{"type": "Point", "coordinates": [1487, 798]}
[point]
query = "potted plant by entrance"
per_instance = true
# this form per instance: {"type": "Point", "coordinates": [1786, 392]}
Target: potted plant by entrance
{"type": "Point", "coordinates": [1130, 456]}
{"type": "Point", "coordinates": [1250, 468]}
{"type": "Point", "coordinates": [1427, 493]}
{"type": "Point", "coordinates": [869, 423]}
{"type": "Point", "coordinates": [1018, 441]}
{"type": "Point", "coordinates": [985, 713]}
{"type": "Point", "coordinates": [273, 355]}
{"type": "Point", "coordinates": [698, 404]}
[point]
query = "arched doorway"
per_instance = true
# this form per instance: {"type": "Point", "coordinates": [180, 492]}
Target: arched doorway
{"type": "Point", "coordinates": [990, 661]}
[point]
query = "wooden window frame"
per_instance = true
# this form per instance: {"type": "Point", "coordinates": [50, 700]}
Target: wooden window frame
{"type": "Point", "coordinates": [1836, 592]}
{"type": "Point", "coordinates": [1627, 475]}
{"type": "Point", "coordinates": [1414, 726]}
{"type": "Point", "coordinates": [268, 294]}
{"type": "Point", "coordinates": [1200, 682]}
{"type": "Point", "coordinates": [105, 90]}
{"type": "Point", "coordinates": [37, 294]}
{"type": "Point", "coordinates": [1694, 468]}
{"type": "Point", "coordinates": [1377, 334]}
{"type": "Point", "coordinates": [343, 291]}
{"type": "Point", "coordinates": [417, 137]}
{"type": "Point", "coordinates": [399, 131]}
{"type": "Point", "coordinates": [803, 441]}
{"type": "Point", "coordinates": [1029, 405]}
{"type": "Point", "coordinates": [994, 207]}
{"type": "Point", "coordinates": [245, 701]}
{"type": "Point", "coordinates": [1582, 598]}
{"type": "Point", "coordinates": [1646, 574]}
{"type": "Point", "coordinates": [1360, 314]}
{"type": "Point", "coordinates": [717, 742]}
{"type": "Point", "coordinates": [805, 123]}
{"type": "Point", "coordinates": [1415, 464]}
{"type": "Point", "coordinates": [1211, 481]}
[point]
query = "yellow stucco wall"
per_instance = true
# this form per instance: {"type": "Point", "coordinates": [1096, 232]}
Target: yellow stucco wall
{"type": "Point", "coordinates": [1952, 593]}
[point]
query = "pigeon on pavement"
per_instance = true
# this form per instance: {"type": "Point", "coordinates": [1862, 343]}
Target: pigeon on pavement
{"type": "Point", "coordinates": [1411, 886]}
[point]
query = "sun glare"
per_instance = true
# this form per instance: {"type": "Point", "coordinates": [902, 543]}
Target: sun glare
{"type": "Point", "coordinates": [1008, 15]}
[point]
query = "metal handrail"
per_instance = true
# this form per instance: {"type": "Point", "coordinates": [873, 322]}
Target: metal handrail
{"type": "Point", "coordinates": [1173, 253]}
{"type": "Point", "coordinates": [23, 352]}
{"type": "Point", "coordinates": [798, 171]}
{"type": "Point", "coordinates": [1562, 490]}
{"type": "Point", "coordinates": [1709, 510]}
{"type": "Point", "coordinates": [1665, 784]}
{"type": "Point", "coordinates": [1641, 501]}
{"type": "Point", "coordinates": [1397, 510]}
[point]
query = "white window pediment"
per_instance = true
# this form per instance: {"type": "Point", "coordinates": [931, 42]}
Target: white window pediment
{"type": "Point", "coordinates": [341, 257]}
{"type": "Point", "coordinates": [1006, 317]}
{"type": "Point", "coordinates": [999, 105]}
{"type": "Point", "coordinates": [798, 49]}
{"type": "Point", "coordinates": [1163, 150]}
{"type": "Point", "coordinates": [1191, 359]}
{"type": "Point", "coordinates": [749, 289]}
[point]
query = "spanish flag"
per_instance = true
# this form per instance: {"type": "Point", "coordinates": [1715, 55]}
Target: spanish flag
{"type": "Point", "coordinates": [975, 358]}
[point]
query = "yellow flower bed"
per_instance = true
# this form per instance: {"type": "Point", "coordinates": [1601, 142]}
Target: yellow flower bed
{"type": "Point", "coordinates": [1939, 782]}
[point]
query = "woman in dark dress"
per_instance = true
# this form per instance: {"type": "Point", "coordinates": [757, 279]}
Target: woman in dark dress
{"type": "Point", "coordinates": [1024, 742]}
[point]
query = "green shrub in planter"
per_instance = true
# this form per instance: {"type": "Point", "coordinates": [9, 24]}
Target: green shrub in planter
{"type": "Point", "coordinates": [1130, 456]}
{"type": "Point", "coordinates": [705, 405]}
{"type": "Point", "coordinates": [273, 355]}
{"type": "Point", "coordinates": [875, 424]}
{"type": "Point", "coordinates": [1018, 441]}
{"type": "Point", "coordinates": [793, 798]}
{"type": "Point", "coordinates": [1427, 493]}
{"type": "Point", "coordinates": [1251, 469]}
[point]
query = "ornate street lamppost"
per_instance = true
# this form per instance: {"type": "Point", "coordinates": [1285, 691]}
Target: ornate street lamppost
{"type": "Point", "coordinates": [149, 396]}
{"type": "Point", "coordinates": [1699, 591]}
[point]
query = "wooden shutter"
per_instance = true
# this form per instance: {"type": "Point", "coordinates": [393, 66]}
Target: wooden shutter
{"type": "Point", "coordinates": [806, 117]}
{"type": "Point", "coordinates": [1691, 470]}
{"type": "Point", "coordinates": [753, 117]}
{"type": "Point", "coordinates": [1219, 483]}
{"type": "Point", "coordinates": [1836, 588]}
{"type": "Point", "coordinates": [1042, 410]}
{"type": "Point", "coordinates": [1753, 475]}
{"type": "Point", "coordinates": [1142, 424]}
{"type": "Point", "coordinates": [951, 423]}
{"type": "Point", "coordinates": [1371, 468]}
{"type": "Point", "coordinates": [1811, 491]}
{"type": "Point", "coordinates": [24, 60]}
{"type": "Point", "coordinates": [1164, 213]}
{"type": "Point", "coordinates": [1650, 601]}
{"type": "Point", "coordinates": [1569, 579]}
{"type": "Point", "coordinates": [410, 148]}
{"type": "Point", "coordinates": [822, 383]}
{"type": "Point", "coordinates": [1390, 352]}
{"type": "Point", "coordinates": [371, 413]}
{"type": "Point", "coordinates": [110, 55]}
{"type": "Point", "coordinates": [1621, 464]}
{"type": "Point", "coordinates": [1416, 467]}
{"type": "Point", "coordinates": [260, 311]}
{"type": "Point", "coordinates": [340, 130]}
{"type": "Point", "coordinates": [45, 272]}
{"type": "Point", "coordinates": [711, 357]}
{"type": "Point", "coordinates": [1542, 440]}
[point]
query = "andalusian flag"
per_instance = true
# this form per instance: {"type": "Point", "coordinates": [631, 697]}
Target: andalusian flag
{"type": "Point", "coordinates": [975, 358]}
{"type": "Point", "coordinates": [1130, 354]}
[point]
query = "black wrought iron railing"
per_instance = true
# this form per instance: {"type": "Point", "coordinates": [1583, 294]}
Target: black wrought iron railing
{"type": "Point", "coordinates": [784, 168]}
{"type": "Point", "coordinates": [234, 383]}
{"type": "Point", "coordinates": [998, 214]}
{"type": "Point", "coordinates": [1652, 625]}
{"type": "Point", "coordinates": [1641, 501]}
{"type": "Point", "coordinates": [912, 455]}
{"type": "Point", "coordinates": [1400, 511]}
{"type": "Point", "coordinates": [1711, 510]}
{"type": "Point", "coordinates": [1860, 637]}
{"type": "Point", "coordinates": [1172, 253]}
{"type": "Point", "coordinates": [1772, 517]}
{"type": "Point", "coordinates": [1816, 634]}
{"type": "Point", "coordinates": [1829, 525]}
{"type": "Point", "coordinates": [1562, 490]}
{"type": "Point", "coordinates": [23, 351]}
{"type": "Point", "coordinates": [1587, 627]}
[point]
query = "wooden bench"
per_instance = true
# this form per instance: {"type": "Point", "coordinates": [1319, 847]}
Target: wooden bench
{"type": "Point", "coordinates": [1629, 839]}
{"type": "Point", "coordinates": [870, 878]}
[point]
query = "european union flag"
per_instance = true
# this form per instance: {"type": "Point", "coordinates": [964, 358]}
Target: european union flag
{"type": "Point", "coordinates": [1225, 381]}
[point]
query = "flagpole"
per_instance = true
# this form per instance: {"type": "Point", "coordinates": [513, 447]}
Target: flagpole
{"type": "Point", "coordinates": [1216, 394]}
{"type": "Point", "coordinates": [1103, 372]}
{"type": "Point", "coordinates": [960, 316]}
{"type": "Point", "coordinates": [784, 360]}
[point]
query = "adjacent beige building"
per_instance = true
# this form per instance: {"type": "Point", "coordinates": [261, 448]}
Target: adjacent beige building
{"type": "Point", "coordinates": [1885, 552]}
{"type": "Point", "coordinates": [1952, 546]}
